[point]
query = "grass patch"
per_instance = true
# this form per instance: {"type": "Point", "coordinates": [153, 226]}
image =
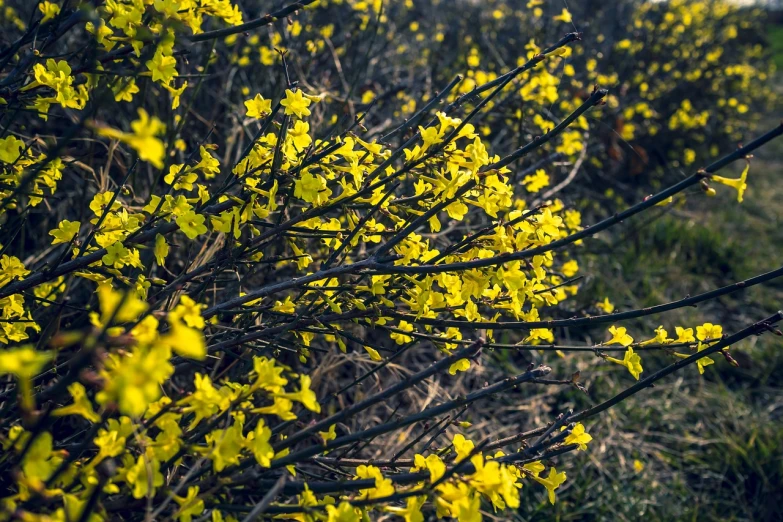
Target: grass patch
{"type": "Point", "coordinates": [775, 36]}
{"type": "Point", "coordinates": [706, 448]}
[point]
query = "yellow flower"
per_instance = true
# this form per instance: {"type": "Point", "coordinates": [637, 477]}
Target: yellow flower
{"type": "Point", "coordinates": [10, 149]}
{"type": "Point", "coordinates": [65, 231]}
{"type": "Point", "coordinates": [143, 138]}
{"type": "Point", "coordinates": [284, 307]}
{"type": "Point", "coordinates": [564, 17]}
{"type": "Point", "coordinates": [739, 184]}
{"type": "Point", "coordinates": [704, 361]}
{"type": "Point", "coordinates": [305, 395]}
{"type": "Point", "coordinates": [49, 290]}
{"type": "Point", "coordinates": [459, 366]}
{"type": "Point", "coordinates": [11, 268]}
{"type": "Point", "coordinates": [700, 363]}
{"type": "Point", "coordinates": [161, 249]}
{"type": "Point", "coordinates": [534, 468]}
{"type": "Point", "coordinates": [329, 434]}
{"type": "Point", "coordinates": [578, 436]}
{"type": "Point", "coordinates": [187, 342]}
{"type": "Point", "coordinates": [163, 68]}
{"type": "Point", "coordinates": [401, 338]}
{"type": "Point", "coordinates": [124, 91]}
{"type": "Point", "coordinates": [133, 380]}
{"type": "Point", "coordinates": [462, 446]}
{"type": "Point", "coordinates": [570, 268]}
{"type": "Point", "coordinates": [225, 446]}
{"type": "Point", "coordinates": [81, 404]}
{"type": "Point", "coordinates": [49, 10]}
{"type": "Point", "coordinates": [111, 442]}
{"type": "Point", "coordinates": [116, 255]}
{"type": "Point", "coordinates": [684, 335]}
{"type": "Point", "coordinates": [430, 136]}
{"type": "Point", "coordinates": [268, 375]}
{"type": "Point", "coordinates": [101, 33]}
{"type": "Point", "coordinates": [188, 311]}
{"type": "Point", "coordinates": [373, 353]}
{"type": "Point", "coordinates": [40, 460]}
{"type": "Point", "coordinates": [192, 224]}
{"type": "Point", "coordinates": [383, 486]}
{"type": "Point", "coordinates": [632, 361]}
{"type": "Point", "coordinates": [205, 400]}
{"type": "Point", "coordinates": [605, 305]}
{"type": "Point", "coordinates": [23, 362]}
{"type": "Point", "coordinates": [432, 463]}
{"type": "Point", "coordinates": [130, 306]}
{"type": "Point", "coordinates": [312, 189]}
{"type": "Point", "coordinates": [344, 512]}
{"type": "Point", "coordinates": [281, 407]}
{"type": "Point", "coordinates": [709, 331]}
{"type": "Point", "coordinates": [535, 182]}
{"type": "Point", "coordinates": [190, 505]}
{"type": "Point", "coordinates": [473, 58]}
{"type": "Point", "coordinates": [467, 507]}
{"type": "Point", "coordinates": [181, 177]}
{"type": "Point", "coordinates": [619, 336]}
{"type": "Point", "coordinates": [299, 137]}
{"type": "Point", "coordinates": [208, 165]}
{"type": "Point", "coordinates": [496, 481]}
{"type": "Point", "coordinates": [296, 104]}
{"type": "Point", "coordinates": [552, 482]}
{"type": "Point", "coordinates": [549, 223]}
{"type": "Point", "coordinates": [57, 76]}
{"type": "Point", "coordinates": [258, 442]}
{"type": "Point", "coordinates": [661, 337]}
{"type": "Point", "coordinates": [176, 94]}
{"type": "Point", "coordinates": [258, 107]}
{"type": "Point", "coordinates": [411, 512]}
{"type": "Point", "coordinates": [101, 200]}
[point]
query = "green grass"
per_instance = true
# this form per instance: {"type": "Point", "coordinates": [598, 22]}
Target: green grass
{"type": "Point", "coordinates": [775, 36]}
{"type": "Point", "coordinates": [711, 446]}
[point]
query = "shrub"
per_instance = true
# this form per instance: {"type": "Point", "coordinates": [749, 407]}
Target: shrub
{"type": "Point", "coordinates": [232, 291]}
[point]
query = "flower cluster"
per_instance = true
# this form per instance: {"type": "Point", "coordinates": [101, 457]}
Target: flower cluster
{"type": "Point", "coordinates": [707, 335]}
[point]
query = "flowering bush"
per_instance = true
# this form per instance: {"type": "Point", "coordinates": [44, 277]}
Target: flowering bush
{"type": "Point", "coordinates": [247, 277]}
